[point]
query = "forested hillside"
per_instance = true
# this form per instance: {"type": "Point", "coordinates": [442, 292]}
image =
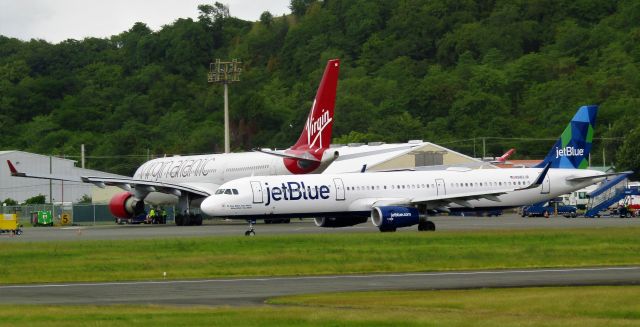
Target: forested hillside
{"type": "Point", "coordinates": [442, 70]}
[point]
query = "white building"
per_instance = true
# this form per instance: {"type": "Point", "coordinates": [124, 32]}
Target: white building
{"type": "Point", "coordinates": [20, 189]}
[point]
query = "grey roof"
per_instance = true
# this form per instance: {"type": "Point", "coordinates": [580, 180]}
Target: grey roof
{"type": "Point", "coordinates": [2, 153]}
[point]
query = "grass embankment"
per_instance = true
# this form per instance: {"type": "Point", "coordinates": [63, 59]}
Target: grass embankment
{"type": "Point", "coordinates": [313, 254]}
{"type": "Point", "coordinates": [570, 306]}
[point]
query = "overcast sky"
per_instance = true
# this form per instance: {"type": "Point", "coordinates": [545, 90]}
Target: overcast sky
{"type": "Point", "coordinates": [58, 20]}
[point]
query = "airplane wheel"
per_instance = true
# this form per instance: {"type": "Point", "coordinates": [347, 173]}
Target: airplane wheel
{"type": "Point", "coordinates": [250, 233]}
{"type": "Point", "coordinates": [431, 226]}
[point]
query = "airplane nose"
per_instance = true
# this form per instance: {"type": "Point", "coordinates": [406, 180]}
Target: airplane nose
{"type": "Point", "coordinates": [210, 206]}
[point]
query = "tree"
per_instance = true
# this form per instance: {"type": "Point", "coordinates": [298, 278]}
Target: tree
{"type": "Point", "coordinates": [627, 157]}
{"type": "Point", "coordinates": [299, 7]}
{"type": "Point", "coordinates": [10, 202]}
{"type": "Point", "coordinates": [266, 19]}
{"type": "Point", "coordinates": [85, 199]}
{"type": "Point", "coordinates": [38, 199]}
{"type": "Point", "coordinates": [212, 14]}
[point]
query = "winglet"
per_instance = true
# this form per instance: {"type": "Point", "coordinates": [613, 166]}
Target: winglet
{"type": "Point", "coordinates": [14, 171]}
{"type": "Point", "coordinates": [540, 179]}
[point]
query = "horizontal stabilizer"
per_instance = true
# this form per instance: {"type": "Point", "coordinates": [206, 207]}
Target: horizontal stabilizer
{"type": "Point", "coordinates": [305, 156]}
{"type": "Point", "coordinates": [582, 179]}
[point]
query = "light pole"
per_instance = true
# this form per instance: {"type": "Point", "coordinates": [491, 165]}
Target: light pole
{"type": "Point", "coordinates": [225, 72]}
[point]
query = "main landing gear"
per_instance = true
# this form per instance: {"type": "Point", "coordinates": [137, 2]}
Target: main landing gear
{"type": "Point", "coordinates": [251, 231]}
{"type": "Point", "coordinates": [426, 225]}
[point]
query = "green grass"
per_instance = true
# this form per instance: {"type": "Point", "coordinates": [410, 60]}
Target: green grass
{"type": "Point", "coordinates": [314, 254]}
{"type": "Point", "coordinates": [570, 306]}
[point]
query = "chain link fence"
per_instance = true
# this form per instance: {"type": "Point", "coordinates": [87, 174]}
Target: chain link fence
{"type": "Point", "coordinates": [71, 214]}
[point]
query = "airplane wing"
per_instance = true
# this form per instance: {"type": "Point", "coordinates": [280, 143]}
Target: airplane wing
{"type": "Point", "coordinates": [125, 183]}
{"type": "Point", "coordinates": [351, 159]}
{"type": "Point", "coordinates": [130, 184]}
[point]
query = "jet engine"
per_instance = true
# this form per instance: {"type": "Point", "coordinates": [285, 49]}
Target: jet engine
{"type": "Point", "coordinates": [125, 205]}
{"type": "Point", "coordinates": [387, 219]}
{"type": "Point", "coordinates": [333, 222]}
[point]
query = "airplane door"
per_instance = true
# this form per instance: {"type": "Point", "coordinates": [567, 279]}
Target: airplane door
{"type": "Point", "coordinates": [339, 189]}
{"type": "Point", "coordinates": [440, 186]}
{"type": "Point", "coordinates": [546, 186]}
{"type": "Point", "coordinates": [257, 192]}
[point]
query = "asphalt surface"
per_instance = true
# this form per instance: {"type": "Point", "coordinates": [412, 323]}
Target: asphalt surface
{"type": "Point", "coordinates": [256, 290]}
{"type": "Point", "coordinates": [237, 228]}
{"type": "Point", "coordinates": [253, 291]}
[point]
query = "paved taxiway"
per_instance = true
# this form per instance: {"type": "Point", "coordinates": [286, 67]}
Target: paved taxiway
{"type": "Point", "coordinates": [253, 291]}
{"type": "Point", "coordinates": [237, 228]}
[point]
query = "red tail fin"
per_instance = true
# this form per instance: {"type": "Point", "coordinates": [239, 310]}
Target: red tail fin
{"type": "Point", "coordinates": [317, 129]}
{"type": "Point", "coordinates": [506, 155]}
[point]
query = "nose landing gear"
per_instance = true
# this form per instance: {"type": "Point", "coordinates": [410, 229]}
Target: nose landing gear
{"type": "Point", "coordinates": [251, 231]}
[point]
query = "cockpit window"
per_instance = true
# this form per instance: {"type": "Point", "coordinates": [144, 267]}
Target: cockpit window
{"type": "Point", "coordinates": [227, 191]}
{"type": "Point", "coordinates": [220, 191]}
{"type": "Point", "coordinates": [235, 191]}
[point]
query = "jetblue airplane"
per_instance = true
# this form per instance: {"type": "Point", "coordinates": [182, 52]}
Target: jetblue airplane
{"type": "Point", "coordinates": [403, 198]}
{"type": "Point", "coordinates": [185, 181]}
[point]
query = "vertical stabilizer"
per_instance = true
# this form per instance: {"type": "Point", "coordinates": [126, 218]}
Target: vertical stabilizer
{"type": "Point", "coordinates": [572, 149]}
{"type": "Point", "coordinates": [317, 129]}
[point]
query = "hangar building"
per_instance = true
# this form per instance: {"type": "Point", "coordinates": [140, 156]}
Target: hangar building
{"type": "Point", "coordinates": [20, 189]}
{"type": "Point", "coordinates": [425, 155]}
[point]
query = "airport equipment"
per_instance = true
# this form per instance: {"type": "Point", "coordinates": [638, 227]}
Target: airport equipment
{"type": "Point", "coordinates": [547, 209]}
{"type": "Point", "coordinates": [9, 224]}
{"type": "Point", "coordinates": [41, 218]}
{"type": "Point", "coordinates": [608, 194]}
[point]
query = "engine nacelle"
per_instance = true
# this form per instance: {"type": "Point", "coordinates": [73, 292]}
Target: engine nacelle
{"type": "Point", "coordinates": [390, 218]}
{"type": "Point", "coordinates": [333, 222]}
{"type": "Point", "coordinates": [124, 205]}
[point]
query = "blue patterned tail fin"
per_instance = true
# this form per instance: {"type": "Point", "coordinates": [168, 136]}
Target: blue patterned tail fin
{"type": "Point", "coordinates": [574, 145]}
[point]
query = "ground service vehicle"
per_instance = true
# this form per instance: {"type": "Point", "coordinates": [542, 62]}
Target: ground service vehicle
{"type": "Point", "coordinates": [41, 218]}
{"type": "Point", "coordinates": [9, 224]}
{"type": "Point", "coordinates": [549, 209]}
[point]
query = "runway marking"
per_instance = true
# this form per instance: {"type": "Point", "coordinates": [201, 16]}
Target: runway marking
{"type": "Point", "coordinates": [241, 280]}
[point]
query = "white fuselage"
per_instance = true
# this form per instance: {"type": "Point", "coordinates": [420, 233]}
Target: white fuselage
{"type": "Point", "coordinates": [208, 172]}
{"type": "Point", "coordinates": [324, 195]}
